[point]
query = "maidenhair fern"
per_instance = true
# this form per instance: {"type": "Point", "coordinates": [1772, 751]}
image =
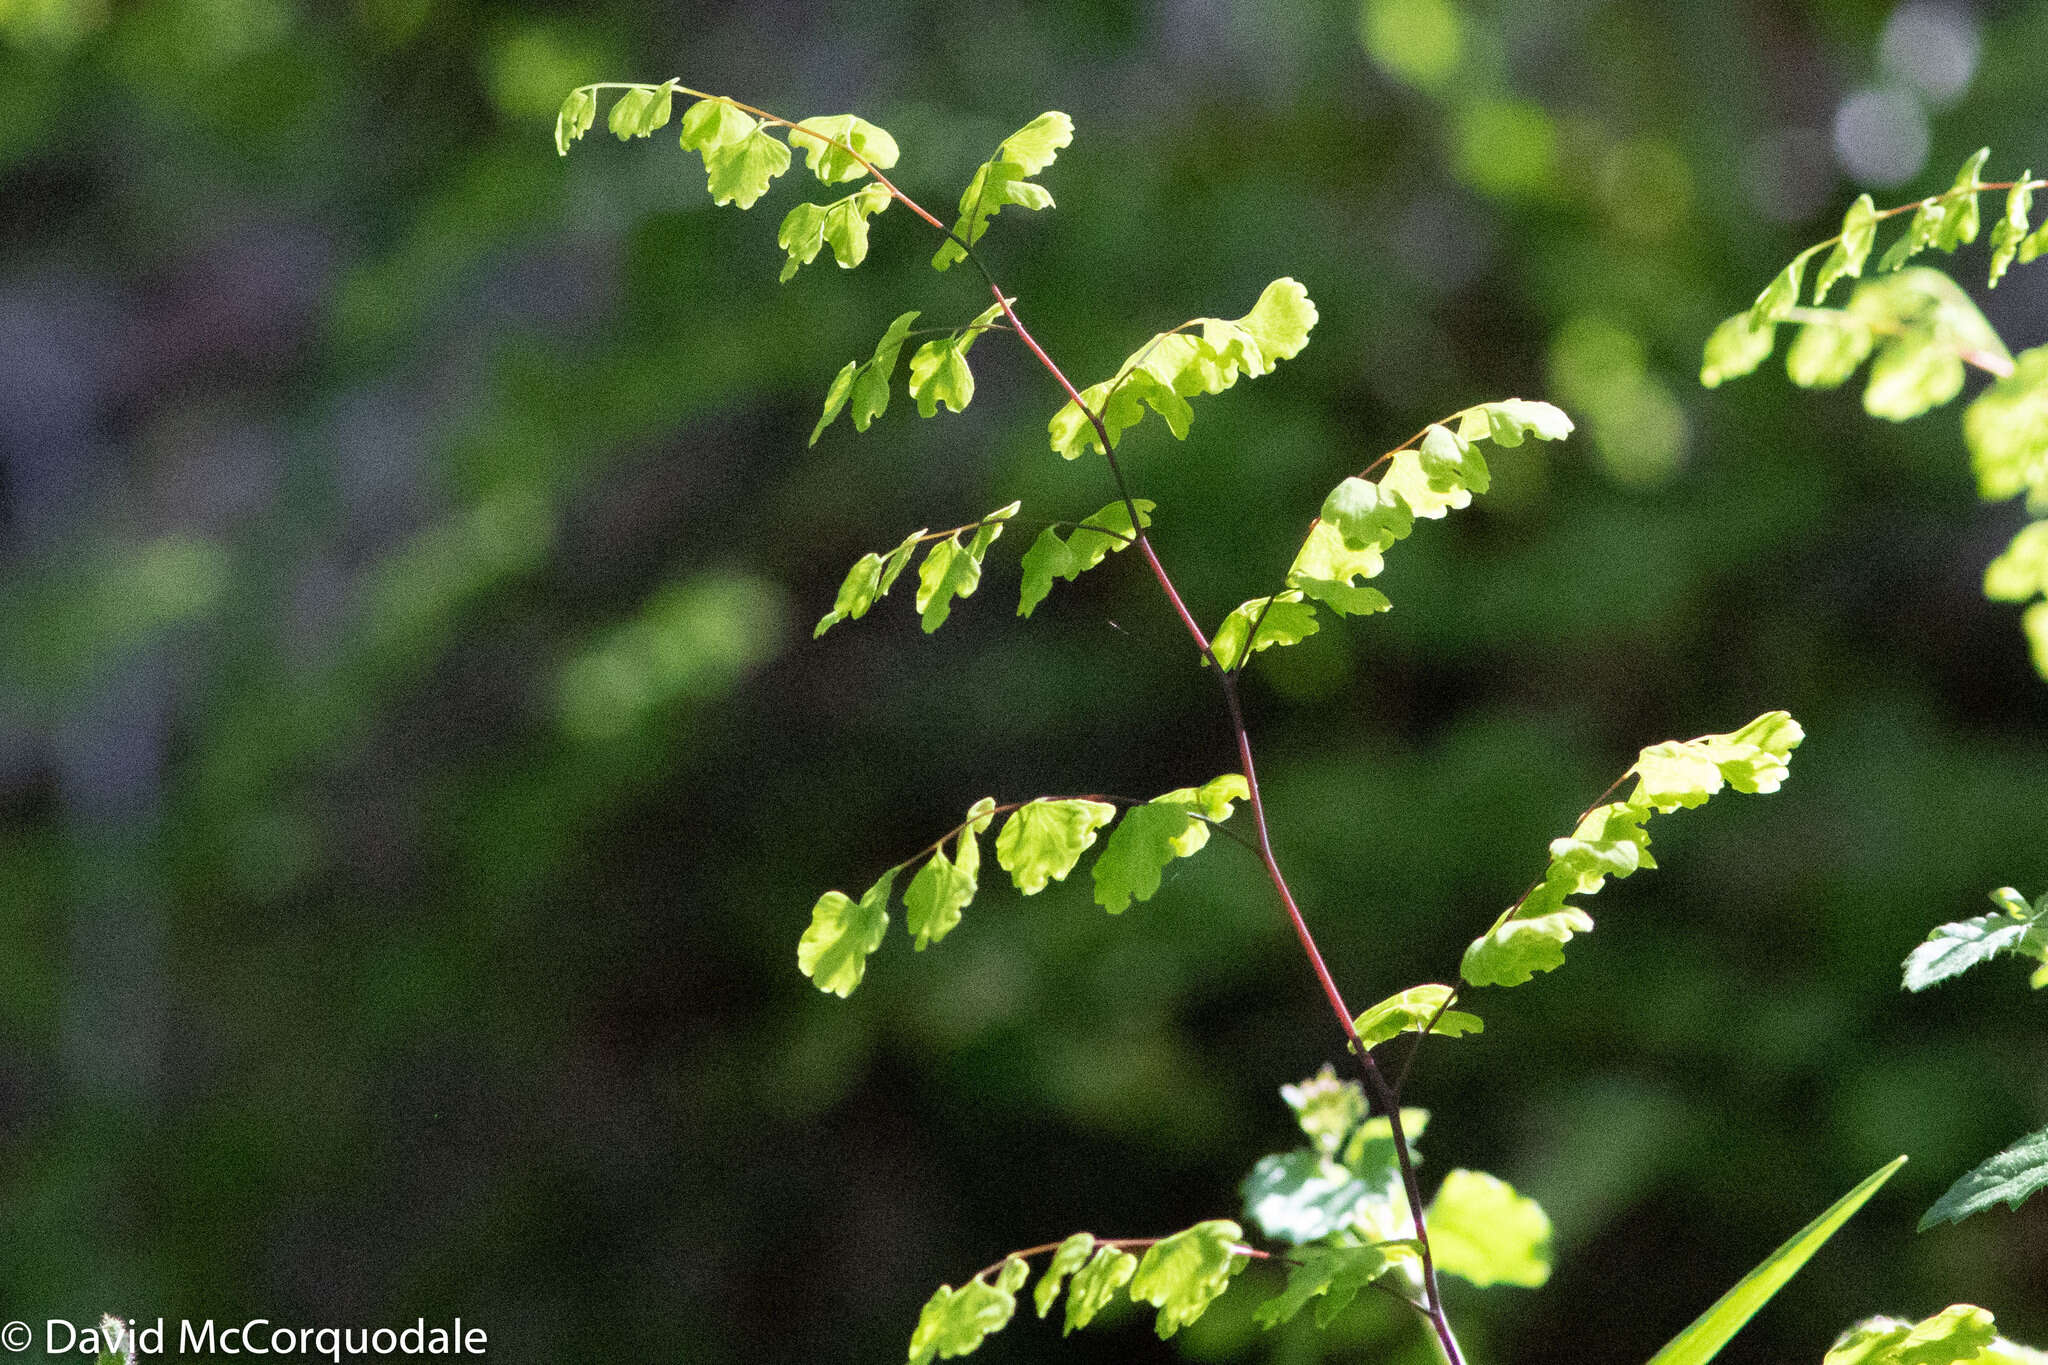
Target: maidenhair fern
{"type": "Point", "coordinates": [1346, 1210]}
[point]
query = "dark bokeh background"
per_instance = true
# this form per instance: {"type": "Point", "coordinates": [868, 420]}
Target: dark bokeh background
{"type": "Point", "coordinates": [415, 771]}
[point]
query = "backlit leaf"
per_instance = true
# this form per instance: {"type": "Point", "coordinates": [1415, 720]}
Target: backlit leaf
{"type": "Point", "coordinates": [1824, 354]}
{"type": "Point", "coordinates": [2006, 429]}
{"type": "Point", "coordinates": [1755, 758]}
{"type": "Point", "coordinates": [1365, 515]}
{"type": "Point", "coordinates": [2011, 228]}
{"type": "Point", "coordinates": [1327, 1109]}
{"type": "Point", "coordinates": [1411, 1011]}
{"type": "Point", "coordinates": [834, 949]}
{"type": "Point", "coordinates": [740, 155]}
{"type": "Point", "coordinates": [2021, 571]}
{"type": "Point", "coordinates": [1096, 1283]}
{"type": "Point", "coordinates": [843, 224]}
{"type": "Point", "coordinates": [1515, 949]}
{"type": "Point", "coordinates": [1333, 1275]}
{"type": "Point", "coordinates": [1910, 375]}
{"type": "Point", "coordinates": [1735, 348]}
{"type": "Point", "coordinates": [827, 143]}
{"type": "Point", "coordinates": [1172, 367]}
{"type": "Point", "coordinates": [1959, 216]}
{"type": "Point", "coordinates": [1781, 295]}
{"type": "Point", "coordinates": [956, 1321]}
{"type": "Point", "coordinates": [1859, 233]}
{"type": "Point", "coordinates": [867, 382]}
{"type": "Point", "coordinates": [1071, 1256]}
{"type": "Point", "coordinates": [951, 569]}
{"type": "Point", "coordinates": [944, 886]}
{"type": "Point", "coordinates": [1042, 840]}
{"type": "Point", "coordinates": [1003, 180]}
{"type": "Point", "coordinates": [1481, 1230]}
{"type": "Point", "coordinates": [641, 110]}
{"type": "Point", "coordinates": [1154, 834]}
{"type": "Point", "coordinates": [1183, 1274]}
{"type": "Point", "coordinates": [867, 581]}
{"type": "Point", "coordinates": [939, 372]}
{"type": "Point", "coordinates": [578, 113]}
{"type": "Point", "coordinates": [1282, 619]}
{"type": "Point", "coordinates": [1097, 537]}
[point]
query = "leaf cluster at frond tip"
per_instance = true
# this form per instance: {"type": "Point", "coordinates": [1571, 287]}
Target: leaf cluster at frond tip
{"type": "Point", "coordinates": [1612, 840]}
{"type": "Point", "coordinates": [1361, 518]}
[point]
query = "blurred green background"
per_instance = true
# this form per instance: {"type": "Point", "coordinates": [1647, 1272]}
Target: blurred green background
{"type": "Point", "coordinates": [416, 770]}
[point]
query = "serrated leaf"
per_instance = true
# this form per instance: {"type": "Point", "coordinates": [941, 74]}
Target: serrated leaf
{"type": "Point", "coordinates": [1043, 840]}
{"type": "Point", "coordinates": [1183, 1274]}
{"type": "Point", "coordinates": [1952, 949]}
{"type": "Point", "coordinates": [1071, 1256]}
{"type": "Point", "coordinates": [1282, 619]}
{"type": "Point", "coordinates": [2006, 429]}
{"type": "Point", "coordinates": [578, 113]}
{"type": "Point", "coordinates": [1095, 1284]}
{"type": "Point", "coordinates": [1173, 366]}
{"type": "Point", "coordinates": [1154, 834]}
{"type": "Point", "coordinates": [1328, 1110]}
{"type": "Point", "coordinates": [1002, 180]}
{"type": "Point", "coordinates": [867, 581]}
{"type": "Point", "coordinates": [944, 886]}
{"type": "Point", "coordinates": [956, 1321]}
{"type": "Point", "coordinates": [1481, 1230]}
{"type": "Point", "coordinates": [951, 569]}
{"type": "Point", "coordinates": [2008, 1178]}
{"type": "Point", "coordinates": [1411, 1011]}
{"type": "Point", "coordinates": [1095, 539]}
{"type": "Point", "coordinates": [1516, 949]}
{"type": "Point", "coordinates": [1332, 1274]}
{"type": "Point", "coordinates": [832, 164]}
{"type": "Point", "coordinates": [1703, 1340]}
{"type": "Point", "coordinates": [1735, 348]}
{"type": "Point", "coordinates": [2011, 229]}
{"type": "Point", "coordinates": [834, 949]}
{"type": "Point", "coordinates": [1859, 233]}
{"type": "Point", "coordinates": [1824, 354]}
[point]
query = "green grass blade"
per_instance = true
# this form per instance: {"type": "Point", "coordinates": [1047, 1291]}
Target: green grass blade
{"type": "Point", "coordinates": [1702, 1341]}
